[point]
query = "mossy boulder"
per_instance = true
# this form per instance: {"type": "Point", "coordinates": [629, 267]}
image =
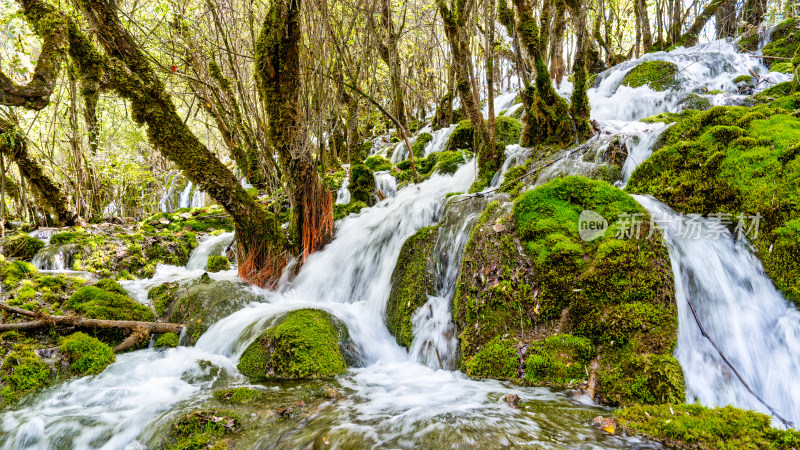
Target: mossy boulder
{"type": "Point", "coordinates": [13, 272]}
{"type": "Point", "coordinates": [22, 373]}
{"type": "Point", "coordinates": [203, 429]}
{"type": "Point", "coordinates": [377, 163]}
{"type": "Point", "coordinates": [418, 147]}
{"type": "Point", "coordinates": [412, 280]}
{"type": "Point", "coordinates": [694, 101]}
{"type": "Point", "coordinates": [21, 246]}
{"type": "Point", "coordinates": [695, 426]}
{"type": "Point", "coordinates": [736, 160]}
{"type": "Point", "coordinates": [201, 303]}
{"type": "Point", "coordinates": [205, 219]}
{"type": "Point", "coordinates": [217, 263]}
{"type": "Point", "coordinates": [94, 302]}
{"type": "Point", "coordinates": [162, 297]}
{"type": "Point", "coordinates": [659, 75]}
{"type": "Point", "coordinates": [461, 137]}
{"type": "Point", "coordinates": [784, 41]}
{"type": "Point", "coordinates": [362, 184]}
{"type": "Point", "coordinates": [86, 355]}
{"type": "Point", "coordinates": [507, 131]}
{"type": "Point", "coordinates": [448, 162]}
{"type": "Point", "coordinates": [303, 344]}
{"type": "Point", "coordinates": [526, 268]}
{"type": "Point", "coordinates": [167, 340]}
{"type": "Point", "coordinates": [342, 211]}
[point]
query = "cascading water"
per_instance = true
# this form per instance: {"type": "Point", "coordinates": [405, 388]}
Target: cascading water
{"type": "Point", "coordinates": [740, 309]}
{"type": "Point", "coordinates": [343, 194]}
{"type": "Point", "coordinates": [437, 144]}
{"type": "Point", "coordinates": [57, 258]}
{"type": "Point", "coordinates": [212, 245]}
{"type": "Point", "coordinates": [386, 183]}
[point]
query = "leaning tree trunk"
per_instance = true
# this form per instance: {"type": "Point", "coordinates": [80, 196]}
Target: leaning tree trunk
{"type": "Point", "coordinates": [14, 145]}
{"type": "Point", "coordinates": [726, 20]}
{"type": "Point", "coordinates": [278, 73]}
{"type": "Point", "coordinates": [693, 33]}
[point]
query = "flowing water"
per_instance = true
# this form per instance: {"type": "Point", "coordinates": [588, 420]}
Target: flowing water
{"type": "Point", "coordinates": [400, 398]}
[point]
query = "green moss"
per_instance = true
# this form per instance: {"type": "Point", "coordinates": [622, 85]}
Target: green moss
{"type": "Point", "coordinates": [784, 41]}
{"type": "Point", "coordinates": [735, 160]}
{"type": "Point", "coordinates": [561, 359]}
{"type": "Point", "coordinates": [167, 340]}
{"type": "Point", "coordinates": [362, 184]}
{"type": "Point", "coordinates": [95, 303]}
{"type": "Point", "coordinates": [418, 147]}
{"type": "Point", "coordinates": [238, 396]}
{"type": "Point", "coordinates": [203, 429]}
{"type": "Point", "coordinates": [342, 211]}
{"type": "Point", "coordinates": [782, 67]}
{"type": "Point", "coordinates": [334, 180]}
{"type": "Point", "coordinates": [217, 263]}
{"type": "Point", "coordinates": [22, 373]}
{"type": "Point", "coordinates": [14, 272]}
{"type": "Point", "coordinates": [449, 162]}
{"type": "Point", "coordinates": [462, 137]}
{"type": "Point", "coordinates": [497, 359]}
{"type": "Point", "coordinates": [694, 101]}
{"type": "Point", "coordinates": [65, 237]}
{"type": "Point", "coordinates": [85, 354]}
{"type": "Point", "coordinates": [111, 286]}
{"type": "Point", "coordinates": [162, 296]}
{"type": "Point", "coordinates": [659, 75]}
{"type": "Point", "coordinates": [744, 79]}
{"type": "Point", "coordinates": [304, 344]}
{"type": "Point", "coordinates": [695, 426]}
{"type": "Point", "coordinates": [205, 218]}
{"type": "Point", "coordinates": [512, 182]}
{"type": "Point", "coordinates": [412, 280]}
{"type": "Point", "coordinates": [22, 246]}
{"type": "Point", "coordinates": [377, 163]}
{"type": "Point", "coordinates": [508, 131]}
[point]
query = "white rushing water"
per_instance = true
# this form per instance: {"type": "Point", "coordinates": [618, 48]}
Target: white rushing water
{"type": "Point", "coordinates": [739, 307]}
{"type": "Point", "coordinates": [343, 194]}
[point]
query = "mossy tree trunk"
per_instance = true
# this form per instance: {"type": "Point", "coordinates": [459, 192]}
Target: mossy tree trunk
{"type": "Point", "coordinates": [693, 33]}
{"type": "Point", "coordinates": [579, 101]}
{"type": "Point", "coordinates": [754, 12]}
{"type": "Point", "coordinates": [278, 73]}
{"type": "Point", "coordinates": [456, 19]}
{"type": "Point", "coordinates": [387, 39]}
{"type": "Point", "coordinates": [14, 145]}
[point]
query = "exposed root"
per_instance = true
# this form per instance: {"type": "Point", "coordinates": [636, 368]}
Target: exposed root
{"type": "Point", "coordinates": [262, 266]}
{"type": "Point", "coordinates": [317, 219]}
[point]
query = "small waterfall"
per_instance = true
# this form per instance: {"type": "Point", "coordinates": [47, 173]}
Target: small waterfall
{"type": "Point", "coordinates": [640, 139]}
{"type": "Point", "coordinates": [501, 103]}
{"type": "Point", "coordinates": [343, 194]}
{"type": "Point", "coordinates": [58, 258]}
{"type": "Point", "coordinates": [212, 245]}
{"type": "Point", "coordinates": [515, 154]}
{"type": "Point", "coordinates": [437, 144]}
{"type": "Point", "coordinates": [739, 307]}
{"type": "Point", "coordinates": [386, 183]}
{"type": "Point", "coordinates": [435, 341]}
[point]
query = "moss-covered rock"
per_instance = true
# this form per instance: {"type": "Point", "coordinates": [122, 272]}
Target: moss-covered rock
{"type": "Point", "coordinates": [86, 355]}
{"type": "Point", "coordinates": [377, 163]}
{"type": "Point", "coordinates": [12, 273]}
{"type": "Point", "coordinates": [783, 43]}
{"type": "Point", "coordinates": [535, 284]}
{"type": "Point", "coordinates": [507, 131]}
{"type": "Point", "coordinates": [217, 263]}
{"type": "Point", "coordinates": [167, 340]}
{"type": "Point", "coordinates": [93, 302]}
{"type": "Point", "coordinates": [461, 137]}
{"type": "Point", "coordinates": [162, 297]}
{"type": "Point", "coordinates": [418, 147]}
{"type": "Point", "coordinates": [499, 359]}
{"type": "Point", "coordinates": [695, 426]}
{"type": "Point", "coordinates": [303, 344]}
{"type": "Point", "coordinates": [342, 211]}
{"type": "Point", "coordinates": [362, 184]}
{"type": "Point", "coordinates": [412, 280]}
{"type": "Point", "coordinates": [734, 160]}
{"type": "Point", "coordinates": [21, 246]}
{"type": "Point", "coordinates": [782, 67]}
{"type": "Point", "coordinates": [659, 75]}
{"type": "Point", "coordinates": [449, 162]}
{"type": "Point", "coordinates": [238, 396]}
{"type": "Point", "coordinates": [205, 219]}
{"type": "Point", "coordinates": [203, 429]}
{"type": "Point", "coordinates": [694, 101]}
{"type": "Point", "coordinates": [22, 373]}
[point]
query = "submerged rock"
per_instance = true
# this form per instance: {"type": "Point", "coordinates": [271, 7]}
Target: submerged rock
{"type": "Point", "coordinates": [302, 344]}
{"type": "Point", "coordinates": [659, 75]}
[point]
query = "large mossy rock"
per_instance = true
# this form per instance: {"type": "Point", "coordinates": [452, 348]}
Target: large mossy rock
{"type": "Point", "coordinates": [107, 301]}
{"type": "Point", "coordinates": [507, 132]}
{"type": "Point", "coordinates": [412, 280]}
{"type": "Point", "coordinates": [21, 246]}
{"type": "Point", "coordinates": [533, 296]}
{"type": "Point", "coordinates": [734, 160]}
{"type": "Point", "coordinates": [362, 184]}
{"type": "Point", "coordinates": [199, 304]}
{"type": "Point", "coordinates": [783, 43]}
{"type": "Point", "coordinates": [303, 344]}
{"type": "Point", "coordinates": [659, 75]}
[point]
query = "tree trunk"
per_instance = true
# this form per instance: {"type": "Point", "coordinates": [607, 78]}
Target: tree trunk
{"type": "Point", "coordinates": [693, 33]}
{"type": "Point", "coordinates": [647, 35]}
{"type": "Point", "coordinates": [14, 145]}
{"type": "Point", "coordinates": [278, 73]}
{"type": "Point", "coordinates": [387, 48]}
{"type": "Point", "coordinates": [579, 101]}
{"type": "Point", "coordinates": [726, 20]}
{"type": "Point", "coordinates": [754, 12]}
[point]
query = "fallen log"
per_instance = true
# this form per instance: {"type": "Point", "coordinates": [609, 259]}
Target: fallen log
{"type": "Point", "coordinates": [138, 330]}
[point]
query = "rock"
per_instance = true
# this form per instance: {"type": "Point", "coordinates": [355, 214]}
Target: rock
{"type": "Point", "coordinates": [512, 400]}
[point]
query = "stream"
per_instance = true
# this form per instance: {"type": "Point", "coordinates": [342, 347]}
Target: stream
{"type": "Point", "coordinates": [402, 398]}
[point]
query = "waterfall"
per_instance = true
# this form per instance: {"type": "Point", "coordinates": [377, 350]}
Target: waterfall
{"type": "Point", "coordinates": [212, 245]}
{"type": "Point", "coordinates": [739, 307]}
{"type": "Point", "coordinates": [386, 183]}
{"type": "Point", "coordinates": [58, 258]}
{"type": "Point", "coordinates": [343, 194]}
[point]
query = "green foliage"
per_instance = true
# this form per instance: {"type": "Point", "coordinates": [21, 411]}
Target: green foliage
{"type": "Point", "coordinates": [412, 280]}
{"type": "Point", "coordinates": [86, 355]}
{"type": "Point", "coordinates": [162, 296]}
{"type": "Point", "coordinates": [95, 303]}
{"type": "Point", "coordinates": [377, 163]}
{"type": "Point", "coordinates": [362, 184]}
{"type": "Point", "coordinates": [733, 160]}
{"type": "Point", "coordinates": [14, 272]}
{"type": "Point", "coordinates": [167, 340]}
{"type": "Point", "coordinates": [418, 147]}
{"type": "Point", "coordinates": [497, 359]}
{"type": "Point", "coordinates": [203, 429]}
{"type": "Point", "coordinates": [21, 246]}
{"type": "Point", "coordinates": [306, 343]}
{"type": "Point", "coordinates": [342, 211]}
{"type": "Point", "coordinates": [659, 75]}
{"type": "Point", "coordinates": [695, 426]}
{"type": "Point", "coordinates": [22, 372]}
{"type": "Point", "coordinates": [217, 263]}
{"type": "Point", "coordinates": [334, 180]}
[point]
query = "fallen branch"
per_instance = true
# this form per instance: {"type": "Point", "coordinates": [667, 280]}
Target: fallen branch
{"type": "Point", "coordinates": [138, 330]}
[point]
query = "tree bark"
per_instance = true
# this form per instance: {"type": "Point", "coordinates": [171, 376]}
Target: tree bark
{"type": "Point", "coordinates": [726, 20]}
{"type": "Point", "coordinates": [647, 35]}
{"type": "Point", "coordinates": [387, 48]}
{"type": "Point", "coordinates": [693, 33]}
